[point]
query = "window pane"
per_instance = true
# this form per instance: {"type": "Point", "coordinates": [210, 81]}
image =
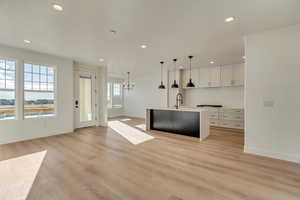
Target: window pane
{"type": "Point", "coordinates": [10, 65]}
{"type": "Point", "coordinates": [7, 105]}
{"type": "Point", "coordinates": [2, 74]}
{"type": "Point", "coordinates": [43, 70]}
{"type": "Point", "coordinates": [38, 104]}
{"type": "Point", "coordinates": [2, 64]}
{"type": "Point", "coordinates": [50, 71]}
{"type": "Point", "coordinates": [28, 67]}
{"type": "Point", "coordinates": [44, 86]}
{"type": "Point", "coordinates": [36, 86]}
{"type": "Point", "coordinates": [43, 78]}
{"type": "Point", "coordinates": [50, 79]}
{"type": "Point", "coordinates": [10, 84]}
{"type": "Point", "coordinates": [50, 86]}
{"type": "Point", "coordinates": [28, 85]}
{"type": "Point", "coordinates": [28, 77]}
{"type": "Point", "coordinates": [2, 84]}
{"type": "Point", "coordinates": [35, 77]}
{"type": "Point", "coordinates": [10, 75]}
{"type": "Point", "coordinates": [36, 69]}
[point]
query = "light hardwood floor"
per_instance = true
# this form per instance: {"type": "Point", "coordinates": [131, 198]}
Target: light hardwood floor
{"type": "Point", "coordinates": [96, 163]}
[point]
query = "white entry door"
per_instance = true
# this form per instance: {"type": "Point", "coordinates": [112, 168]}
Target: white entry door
{"type": "Point", "coordinates": [85, 99]}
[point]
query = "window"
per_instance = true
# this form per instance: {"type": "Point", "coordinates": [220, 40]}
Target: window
{"type": "Point", "coordinates": [117, 89]}
{"type": "Point", "coordinates": [7, 89]}
{"type": "Point", "coordinates": [39, 90]}
{"type": "Point", "coordinates": [114, 94]}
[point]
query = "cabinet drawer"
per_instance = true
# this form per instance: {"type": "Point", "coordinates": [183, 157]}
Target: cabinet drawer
{"type": "Point", "coordinates": [213, 115]}
{"type": "Point", "coordinates": [213, 122]}
{"type": "Point", "coordinates": [232, 116]}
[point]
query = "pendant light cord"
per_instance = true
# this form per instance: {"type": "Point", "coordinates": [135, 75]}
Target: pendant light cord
{"type": "Point", "coordinates": [161, 71]}
{"type": "Point", "coordinates": [190, 57]}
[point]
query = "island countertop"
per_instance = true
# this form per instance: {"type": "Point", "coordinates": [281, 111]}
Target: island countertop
{"type": "Point", "coordinates": [184, 109]}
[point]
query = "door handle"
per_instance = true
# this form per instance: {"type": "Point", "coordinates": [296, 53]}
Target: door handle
{"type": "Point", "coordinates": [76, 104]}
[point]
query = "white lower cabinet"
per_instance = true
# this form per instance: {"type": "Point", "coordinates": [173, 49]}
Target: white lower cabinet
{"type": "Point", "coordinates": [227, 118]}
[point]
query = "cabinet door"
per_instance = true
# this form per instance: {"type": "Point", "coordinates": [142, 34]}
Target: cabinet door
{"type": "Point", "coordinates": [204, 77]}
{"type": "Point", "coordinates": [226, 76]}
{"type": "Point", "coordinates": [238, 74]}
{"type": "Point", "coordinates": [215, 75]}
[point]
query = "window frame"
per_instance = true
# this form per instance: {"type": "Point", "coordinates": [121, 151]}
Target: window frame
{"type": "Point", "coordinates": [16, 86]}
{"type": "Point", "coordinates": [55, 88]}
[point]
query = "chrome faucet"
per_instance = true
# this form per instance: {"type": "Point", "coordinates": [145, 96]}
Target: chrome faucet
{"type": "Point", "coordinates": [179, 100]}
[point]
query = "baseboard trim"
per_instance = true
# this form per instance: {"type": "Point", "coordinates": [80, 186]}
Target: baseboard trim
{"type": "Point", "coordinates": [276, 155]}
{"type": "Point", "coordinates": [38, 137]}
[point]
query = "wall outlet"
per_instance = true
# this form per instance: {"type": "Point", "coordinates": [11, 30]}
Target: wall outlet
{"type": "Point", "coordinates": [269, 104]}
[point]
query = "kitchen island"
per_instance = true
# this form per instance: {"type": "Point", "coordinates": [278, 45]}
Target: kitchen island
{"type": "Point", "coordinates": [185, 121]}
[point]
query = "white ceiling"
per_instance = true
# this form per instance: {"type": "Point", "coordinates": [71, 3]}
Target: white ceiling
{"type": "Point", "coordinates": [170, 28]}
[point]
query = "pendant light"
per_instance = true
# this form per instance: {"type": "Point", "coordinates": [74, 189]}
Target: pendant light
{"type": "Point", "coordinates": [190, 83]}
{"type": "Point", "coordinates": [161, 86]}
{"type": "Point", "coordinates": [128, 85]}
{"type": "Point", "coordinates": [174, 85]}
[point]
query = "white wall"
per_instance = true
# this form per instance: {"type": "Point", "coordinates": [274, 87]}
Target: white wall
{"type": "Point", "coordinates": [145, 94]}
{"type": "Point", "coordinates": [232, 97]}
{"type": "Point", "coordinates": [272, 77]}
{"type": "Point", "coordinates": [16, 130]}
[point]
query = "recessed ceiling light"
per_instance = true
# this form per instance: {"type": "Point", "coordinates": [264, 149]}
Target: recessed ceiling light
{"type": "Point", "coordinates": [212, 62]}
{"type": "Point", "coordinates": [27, 41]}
{"type": "Point", "coordinates": [57, 7]}
{"type": "Point", "coordinates": [229, 19]}
{"type": "Point", "coordinates": [101, 59]}
{"type": "Point", "coordinates": [143, 46]}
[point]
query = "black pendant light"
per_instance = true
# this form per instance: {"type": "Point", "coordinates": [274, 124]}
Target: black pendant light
{"type": "Point", "coordinates": [174, 85]}
{"type": "Point", "coordinates": [161, 86]}
{"type": "Point", "coordinates": [190, 83]}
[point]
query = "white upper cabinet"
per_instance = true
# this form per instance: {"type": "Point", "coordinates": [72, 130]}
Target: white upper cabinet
{"type": "Point", "coordinates": [204, 77]}
{"type": "Point", "coordinates": [215, 77]}
{"type": "Point", "coordinates": [238, 74]}
{"type": "Point", "coordinates": [226, 75]}
{"type": "Point", "coordinates": [232, 75]}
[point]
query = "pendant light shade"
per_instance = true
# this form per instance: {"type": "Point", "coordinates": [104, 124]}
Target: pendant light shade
{"type": "Point", "coordinates": [161, 86]}
{"type": "Point", "coordinates": [190, 83]}
{"type": "Point", "coordinates": [175, 85]}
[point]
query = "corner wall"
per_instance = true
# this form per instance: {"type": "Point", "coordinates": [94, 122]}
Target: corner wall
{"type": "Point", "coordinates": [272, 94]}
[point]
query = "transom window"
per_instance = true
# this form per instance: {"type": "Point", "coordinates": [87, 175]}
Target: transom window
{"type": "Point", "coordinates": [7, 89]}
{"type": "Point", "coordinates": [39, 90]}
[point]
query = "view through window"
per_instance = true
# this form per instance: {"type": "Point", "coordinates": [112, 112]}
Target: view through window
{"type": "Point", "coordinates": [7, 89]}
{"type": "Point", "coordinates": [39, 90]}
{"type": "Point", "coordinates": [114, 94]}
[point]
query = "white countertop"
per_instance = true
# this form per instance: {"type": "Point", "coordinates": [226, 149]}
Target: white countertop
{"type": "Point", "coordinates": [187, 109]}
{"type": "Point", "coordinates": [190, 109]}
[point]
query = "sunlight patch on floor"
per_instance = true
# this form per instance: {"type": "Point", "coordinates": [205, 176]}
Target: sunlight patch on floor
{"type": "Point", "coordinates": [133, 135]}
{"type": "Point", "coordinates": [18, 174]}
{"type": "Point", "coordinates": [141, 126]}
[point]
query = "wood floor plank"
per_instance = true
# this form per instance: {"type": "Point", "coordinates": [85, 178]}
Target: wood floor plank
{"type": "Point", "coordinates": [97, 163]}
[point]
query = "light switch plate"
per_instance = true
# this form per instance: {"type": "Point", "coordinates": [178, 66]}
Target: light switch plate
{"type": "Point", "coordinates": [269, 103]}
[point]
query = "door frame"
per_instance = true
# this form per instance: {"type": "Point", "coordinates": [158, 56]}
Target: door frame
{"type": "Point", "coordinates": [77, 75]}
